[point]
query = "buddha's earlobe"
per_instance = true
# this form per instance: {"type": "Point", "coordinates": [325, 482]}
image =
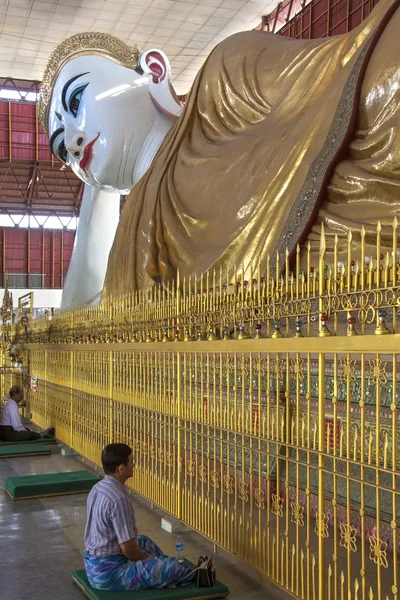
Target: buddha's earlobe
{"type": "Point", "coordinates": [156, 65]}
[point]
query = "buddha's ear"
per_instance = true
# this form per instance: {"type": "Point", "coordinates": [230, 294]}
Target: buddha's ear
{"type": "Point", "coordinates": [156, 64]}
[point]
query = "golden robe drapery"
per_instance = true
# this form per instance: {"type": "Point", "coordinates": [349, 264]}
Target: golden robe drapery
{"type": "Point", "coordinates": [245, 170]}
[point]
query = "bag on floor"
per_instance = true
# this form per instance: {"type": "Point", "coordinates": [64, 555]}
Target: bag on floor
{"type": "Point", "coordinates": [206, 573]}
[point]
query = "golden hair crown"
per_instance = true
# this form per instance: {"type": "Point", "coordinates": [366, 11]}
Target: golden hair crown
{"type": "Point", "coordinates": [81, 44]}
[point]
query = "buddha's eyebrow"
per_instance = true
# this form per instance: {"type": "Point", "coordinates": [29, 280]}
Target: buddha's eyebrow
{"type": "Point", "coordinates": [65, 88]}
{"type": "Point", "coordinates": [54, 136]}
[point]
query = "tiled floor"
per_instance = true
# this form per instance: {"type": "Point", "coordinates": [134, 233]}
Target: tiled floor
{"type": "Point", "coordinates": [41, 541]}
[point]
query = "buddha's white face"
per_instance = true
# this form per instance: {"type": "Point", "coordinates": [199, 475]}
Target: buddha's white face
{"type": "Point", "coordinates": [100, 115]}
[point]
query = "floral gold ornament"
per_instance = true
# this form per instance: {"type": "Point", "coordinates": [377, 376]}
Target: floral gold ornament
{"type": "Point", "coordinates": [243, 365]}
{"type": "Point", "coordinates": [297, 513]}
{"type": "Point", "coordinates": [277, 505]}
{"type": "Point", "coordinates": [297, 368]}
{"type": "Point", "coordinates": [214, 479]}
{"type": "Point", "coordinates": [243, 491]}
{"type": "Point", "coordinates": [202, 474]}
{"type": "Point", "coordinates": [278, 368]}
{"type": "Point", "coordinates": [377, 371]}
{"type": "Point", "coordinates": [324, 531]}
{"type": "Point", "coordinates": [261, 366]}
{"type": "Point", "coordinates": [259, 496]}
{"type": "Point", "coordinates": [228, 484]}
{"type": "Point", "coordinates": [348, 368]}
{"type": "Point", "coordinates": [348, 535]}
{"type": "Point", "coordinates": [190, 468]}
{"type": "Point", "coordinates": [82, 44]}
{"type": "Point", "coordinates": [378, 551]}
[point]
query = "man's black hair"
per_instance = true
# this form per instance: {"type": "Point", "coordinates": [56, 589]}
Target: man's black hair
{"type": "Point", "coordinates": [114, 455]}
{"type": "Point", "coordinates": [14, 391]}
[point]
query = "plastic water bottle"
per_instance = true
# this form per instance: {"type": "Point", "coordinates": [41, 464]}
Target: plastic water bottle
{"type": "Point", "coordinates": [179, 549]}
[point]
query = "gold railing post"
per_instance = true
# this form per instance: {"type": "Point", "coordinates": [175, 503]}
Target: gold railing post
{"type": "Point", "coordinates": [110, 395]}
{"type": "Point", "coordinates": [179, 407]}
{"type": "Point", "coordinates": [179, 441]}
{"type": "Point", "coordinates": [321, 429]}
{"type": "Point", "coordinates": [45, 387]}
{"type": "Point", "coordinates": [71, 400]}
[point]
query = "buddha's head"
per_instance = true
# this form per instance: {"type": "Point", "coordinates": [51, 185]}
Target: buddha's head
{"type": "Point", "coordinates": [99, 100]}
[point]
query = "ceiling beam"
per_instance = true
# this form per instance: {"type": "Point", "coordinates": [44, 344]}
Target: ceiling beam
{"type": "Point", "coordinates": [31, 186]}
{"type": "Point", "coordinates": [79, 196]}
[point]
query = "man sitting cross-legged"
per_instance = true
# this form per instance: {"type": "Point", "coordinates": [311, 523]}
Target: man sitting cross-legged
{"type": "Point", "coordinates": [11, 428]}
{"type": "Point", "coordinates": [116, 557]}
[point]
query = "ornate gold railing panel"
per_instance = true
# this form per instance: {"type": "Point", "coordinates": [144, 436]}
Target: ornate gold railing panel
{"type": "Point", "coordinates": [264, 414]}
{"type": "Point", "coordinates": [237, 439]}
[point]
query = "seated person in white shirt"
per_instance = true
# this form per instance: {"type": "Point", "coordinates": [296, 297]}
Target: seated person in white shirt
{"type": "Point", "coordinates": [11, 428]}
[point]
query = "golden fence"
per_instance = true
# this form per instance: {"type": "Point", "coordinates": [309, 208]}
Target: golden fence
{"type": "Point", "coordinates": [264, 414]}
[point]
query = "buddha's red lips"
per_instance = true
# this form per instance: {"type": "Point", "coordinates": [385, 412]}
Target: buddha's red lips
{"type": "Point", "coordinates": [87, 154]}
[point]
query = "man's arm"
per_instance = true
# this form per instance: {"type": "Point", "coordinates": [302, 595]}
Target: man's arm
{"type": "Point", "coordinates": [132, 551]}
{"type": "Point", "coordinates": [15, 417]}
{"type": "Point", "coordinates": [124, 523]}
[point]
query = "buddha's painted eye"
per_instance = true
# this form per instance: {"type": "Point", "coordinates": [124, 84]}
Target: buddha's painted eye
{"type": "Point", "coordinates": [62, 152]}
{"type": "Point", "coordinates": [75, 99]}
{"type": "Point", "coordinates": [57, 145]}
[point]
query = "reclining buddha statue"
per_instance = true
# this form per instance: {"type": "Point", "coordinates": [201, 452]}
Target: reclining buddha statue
{"type": "Point", "coordinates": [278, 136]}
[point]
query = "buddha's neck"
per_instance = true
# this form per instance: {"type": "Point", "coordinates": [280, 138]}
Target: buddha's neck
{"type": "Point", "coordinates": [153, 141]}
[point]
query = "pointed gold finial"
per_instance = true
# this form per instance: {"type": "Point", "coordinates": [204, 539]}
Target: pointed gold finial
{"type": "Point", "coordinates": [211, 335]}
{"type": "Point", "coordinates": [277, 331]}
{"type": "Point", "coordinates": [382, 329]}
{"type": "Point", "coordinates": [324, 332]}
{"type": "Point", "coordinates": [350, 326]}
{"type": "Point", "coordinates": [242, 335]}
{"type": "Point", "coordinates": [322, 243]}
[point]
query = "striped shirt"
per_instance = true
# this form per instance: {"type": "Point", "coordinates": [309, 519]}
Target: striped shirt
{"type": "Point", "coordinates": [110, 518]}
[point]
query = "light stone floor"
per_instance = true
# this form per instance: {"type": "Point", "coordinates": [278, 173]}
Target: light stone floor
{"type": "Point", "coordinates": [41, 541]}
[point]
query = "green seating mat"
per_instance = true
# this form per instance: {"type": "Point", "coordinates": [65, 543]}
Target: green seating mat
{"type": "Point", "coordinates": [184, 592]}
{"type": "Point", "coordinates": [50, 484]}
{"type": "Point", "coordinates": [50, 440]}
{"type": "Point", "coordinates": [27, 450]}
